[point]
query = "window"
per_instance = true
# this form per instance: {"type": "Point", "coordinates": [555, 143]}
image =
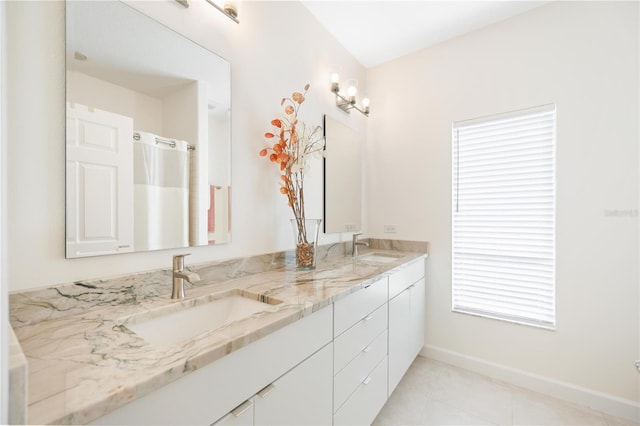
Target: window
{"type": "Point", "coordinates": [503, 216]}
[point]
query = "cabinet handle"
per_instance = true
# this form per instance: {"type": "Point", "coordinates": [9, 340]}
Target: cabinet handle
{"type": "Point", "coordinates": [367, 318]}
{"type": "Point", "coordinates": [366, 381]}
{"type": "Point", "coordinates": [366, 349]}
{"type": "Point", "coordinates": [412, 285]}
{"type": "Point", "coordinates": [242, 408]}
{"type": "Point", "coordinates": [267, 390]}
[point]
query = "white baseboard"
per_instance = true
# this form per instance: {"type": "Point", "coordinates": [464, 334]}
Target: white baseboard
{"type": "Point", "coordinates": [597, 400]}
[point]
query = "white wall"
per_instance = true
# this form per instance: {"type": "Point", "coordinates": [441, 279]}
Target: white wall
{"type": "Point", "coordinates": [275, 50]}
{"type": "Point", "coordinates": [145, 110]}
{"type": "Point", "coordinates": [582, 56]}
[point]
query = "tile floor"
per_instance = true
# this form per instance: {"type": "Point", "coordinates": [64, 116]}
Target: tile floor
{"type": "Point", "coordinates": [433, 393]}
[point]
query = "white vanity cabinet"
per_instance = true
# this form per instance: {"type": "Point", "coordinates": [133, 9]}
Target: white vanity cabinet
{"type": "Point", "coordinates": [337, 366]}
{"type": "Point", "coordinates": [360, 354]}
{"type": "Point", "coordinates": [208, 394]}
{"type": "Point", "coordinates": [406, 319]}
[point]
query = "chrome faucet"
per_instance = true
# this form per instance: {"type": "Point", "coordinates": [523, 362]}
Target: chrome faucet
{"type": "Point", "coordinates": [179, 275]}
{"type": "Point", "coordinates": [357, 243]}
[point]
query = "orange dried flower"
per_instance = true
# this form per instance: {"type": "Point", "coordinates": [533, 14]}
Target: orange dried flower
{"type": "Point", "coordinates": [277, 148]}
{"type": "Point", "coordinates": [289, 109]}
{"type": "Point", "coordinates": [269, 135]}
{"type": "Point", "coordinates": [284, 190]}
{"type": "Point", "coordinates": [277, 123]}
{"type": "Point", "coordinates": [273, 157]}
{"type": "Point", "coordinates": [282, 157]}
{"type": "Point", "coordinates": [263, 152]}
{"type": "Point", "coordinates": [285, 178]}
{"type": "Point", "coordinates": [297, 97]}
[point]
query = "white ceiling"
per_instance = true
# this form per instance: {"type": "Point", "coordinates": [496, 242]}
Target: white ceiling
{"type": "Point", "coordinates": [377, 31]}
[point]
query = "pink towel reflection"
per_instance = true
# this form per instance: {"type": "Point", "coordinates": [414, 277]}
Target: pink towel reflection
{"type": "Point", "coordinates": [211, 219]}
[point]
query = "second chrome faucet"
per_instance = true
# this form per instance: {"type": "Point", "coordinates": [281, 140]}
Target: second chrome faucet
{"type": "Point", "coordinates": [357, 243]}
{"type": "Point", "coordinates": [180, 274]}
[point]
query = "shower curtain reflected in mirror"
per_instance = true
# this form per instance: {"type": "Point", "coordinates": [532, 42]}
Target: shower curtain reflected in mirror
{"type": "Point", "coordinates": [161, 193]}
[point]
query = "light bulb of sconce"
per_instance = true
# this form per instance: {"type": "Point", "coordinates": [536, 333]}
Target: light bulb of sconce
{"type": "Point", "coordinates": [365, 105]}
{"type": "Point", "coordinates": [335, 82]}
{"type": "Point", "coordinates": [351, 94]}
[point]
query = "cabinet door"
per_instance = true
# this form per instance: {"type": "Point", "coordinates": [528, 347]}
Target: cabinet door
{"type": "Point", "coordinates": [406, 330]}
{"type": "Point", "coordinates": [399, 337]}
{"type": "Point", "coordinates": [303, 396]}
{"type": "Point", "coordinates": [417, 317]}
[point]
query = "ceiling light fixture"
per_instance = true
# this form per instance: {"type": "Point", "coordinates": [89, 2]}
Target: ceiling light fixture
{"type": "Point", "coordinates": [349, 102]}
{"type": "Point", "coordinates": [229, 9]}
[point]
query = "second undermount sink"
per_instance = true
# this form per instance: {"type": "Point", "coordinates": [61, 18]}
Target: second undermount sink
{"type": "Point", "coordinates": [380, 257]}
{"type": "Point", "coordinates": [169, 326]}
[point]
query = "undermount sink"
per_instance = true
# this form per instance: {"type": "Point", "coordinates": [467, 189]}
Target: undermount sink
{"type": "Point", "coordinates": [380, 257]}
{"type": "Point", "coordinates": [168, 326]}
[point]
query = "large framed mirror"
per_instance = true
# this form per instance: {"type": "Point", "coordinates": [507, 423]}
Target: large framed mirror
{"type": "Point", "coordinates": [342, 177]}
{"type": "Point", "coordinates": [148, 139]}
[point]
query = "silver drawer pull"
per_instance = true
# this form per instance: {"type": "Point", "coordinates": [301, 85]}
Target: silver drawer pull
{"type": "Point", "coordinates": [366, 349]}
{"type": "Point", "coordinates": [242, 408]}
{"type": "Point", "coordinates": [267, 390]}
{"type": "Point", "coordinates": [366, 381]}
{"type": "Point", "coordinates": [367, 318]}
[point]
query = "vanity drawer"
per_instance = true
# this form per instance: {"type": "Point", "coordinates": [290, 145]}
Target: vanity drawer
{"type": "Point", "coordinates": [348, 380]}
{"type": "Point", "coordinates": [358, 305]}
{"type": "Point", "coordinates": [349, 344]}
{"type": "Point", "coordinates": [365, 403]}
{"type": "Point", "coordinates": [403, 278]}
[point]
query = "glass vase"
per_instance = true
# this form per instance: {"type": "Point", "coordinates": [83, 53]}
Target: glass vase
{"type": "Point", "coordinates": [305, 234]}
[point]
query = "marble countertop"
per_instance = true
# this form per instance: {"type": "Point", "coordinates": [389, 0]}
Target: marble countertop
{"type": "Point", "coordinates": [83, 362]}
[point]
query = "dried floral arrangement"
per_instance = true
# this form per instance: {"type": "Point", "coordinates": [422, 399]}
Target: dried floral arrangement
{"type": "Point", "coordinates": [295, 143]}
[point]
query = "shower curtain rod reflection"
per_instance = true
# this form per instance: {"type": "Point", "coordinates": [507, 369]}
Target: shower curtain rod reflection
{"type": "Point", "coordinates": [169, 142]}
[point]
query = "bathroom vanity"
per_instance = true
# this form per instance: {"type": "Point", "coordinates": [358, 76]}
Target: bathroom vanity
{"type": "Point", "coordinates": [285, 346]}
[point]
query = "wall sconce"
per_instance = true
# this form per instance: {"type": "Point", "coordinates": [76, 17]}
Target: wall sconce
{"type": "Point", "coordinates": [229, 9]}
{"type": "Point", "coordinates": [349, 102]}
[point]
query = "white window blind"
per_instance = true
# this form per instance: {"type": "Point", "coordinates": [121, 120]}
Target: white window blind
{"type": "Point", "coordinates": [503, 236]}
